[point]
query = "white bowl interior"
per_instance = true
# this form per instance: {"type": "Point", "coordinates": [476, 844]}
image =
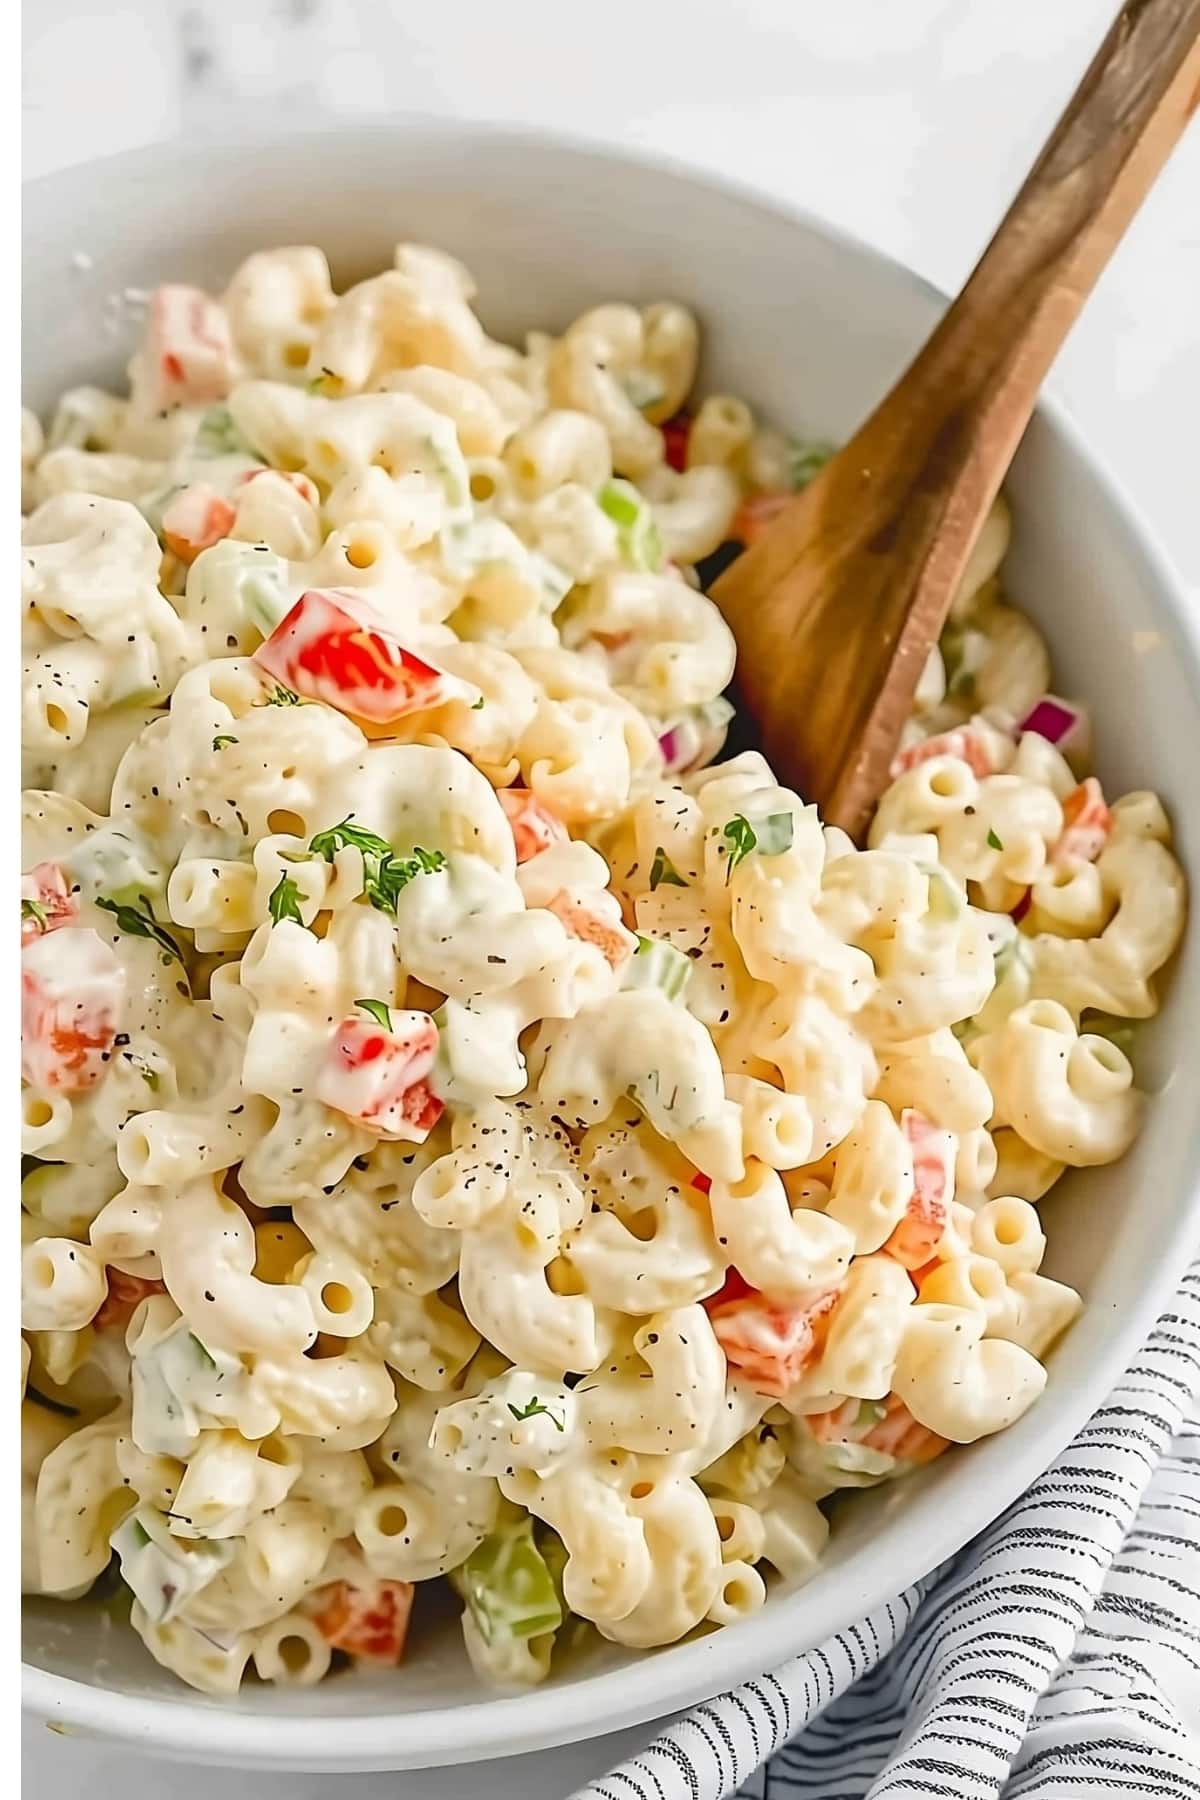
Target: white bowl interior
{"type": "Point", "coordinates": [810, 328]}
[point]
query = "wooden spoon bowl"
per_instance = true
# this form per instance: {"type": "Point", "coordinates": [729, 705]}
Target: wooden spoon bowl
{"type": "Point", "coordinates": [836, 607]}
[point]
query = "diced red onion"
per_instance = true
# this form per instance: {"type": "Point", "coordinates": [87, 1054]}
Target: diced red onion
{"type": "Point", "coordinates": [1022, 907]}
{"type": "Point", "coordinates": [1052, 718]}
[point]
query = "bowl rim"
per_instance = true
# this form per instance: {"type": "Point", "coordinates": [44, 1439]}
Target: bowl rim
{"type": "Point", "coordinates": [679, 1676]}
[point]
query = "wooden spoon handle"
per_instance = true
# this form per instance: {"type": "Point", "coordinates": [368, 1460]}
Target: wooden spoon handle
{"type": "Point", "coordinates": [999, 338]}
{"type": "Point", "coordinates": [868, 558]}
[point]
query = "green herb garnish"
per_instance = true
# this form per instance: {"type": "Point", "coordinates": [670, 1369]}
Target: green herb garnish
{"type": "Point", "coordinates": [138, 923]}
{"type": "Point", "coordinates": [663, 872]}
{"type": "Point", "coordinates": [532, 1411]}
{"type": "Point", "coordinates": [280, 696]}
{"type": "Point", "coordinates": [384, 873]}
{"type": "Point", "coordinates": [219, 743]}
{"type": "Point", "coordinates": [379, 1011]}
{"type": "Point", "coordinates": [993, 841]}
{"type": "Point", "coordinates": [33, 909]}
{"type": "Point", "coordinates": [284, 902]}
{"type": "Point", "coordinates": [740, 838]}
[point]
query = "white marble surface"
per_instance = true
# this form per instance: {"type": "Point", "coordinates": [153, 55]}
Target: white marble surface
{"type": "Point", "coordinates": [908, 121]}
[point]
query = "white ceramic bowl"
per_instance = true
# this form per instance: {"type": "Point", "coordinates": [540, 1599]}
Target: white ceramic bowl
{"type": "Point", "coordinates": [810, 327]}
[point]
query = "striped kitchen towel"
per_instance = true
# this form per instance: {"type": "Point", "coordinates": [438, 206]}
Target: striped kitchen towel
{"type": "Point", "coordinates": [1057, 1657]}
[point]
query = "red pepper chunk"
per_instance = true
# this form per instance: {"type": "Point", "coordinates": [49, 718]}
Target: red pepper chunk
{"type": "Point", "coordinates": [371, 1623]}
{"type": "Point", "coordinates": [379, 1079]}
{"type": "Point", "coordinates": [968, 746]}
{"type": "Point", "coordinates": [755, 513]}
{"type": "Point", "coordinates": [676, 433]}
{"type": "Point", "coordinates": [72, 997]}
{"type": "Point", "coordinates": [48, 900]}
{"type": "Point", "coordinates": [125, 1294]}
{"type": "Point", "coordinates": [190, 350]}
{"type": "Point", "coordinates": [303, 484]}
{"type": "Point", "coordinates": [196, 519]}
{"type": "Point", "coordinates": [1087, 822]}
{"type": "Point", "coordinates": [923, 1226]}
{"type": "Point", "coordinates": [895, 1433]}
{"type": "Point", "coordinates": [534, 826]}
{"type": "Point", "coordinates": [769, 1344]}
{"type": "Point", "coordinates": [333, 646]}
{"type": "Point", "coordinates": [614, 943]}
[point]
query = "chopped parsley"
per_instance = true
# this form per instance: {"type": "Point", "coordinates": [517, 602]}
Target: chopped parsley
{"type": "Point", "coordinates": [284, 902]}
{"type": "Point", "coordinates": [280, 696]}
{"type": "Point", "coordinates": [148, 1074]}
{"type": "Point", "coordinates": [219, 743]}
{"type": "Point", "coordinates": [33, 909]}
{"type": "Point", "coordinates": [740, 839]}
{"type": "Point", "coordinates": [770, 837]}
{"type": "Point", "coordinates": [663, 872]}
{"type": "Point", "coordinates": [993, 841]}
{"type": "Point", "coordinates": [140, 922]}
{"type": "Point", "coordinates": [477, 705]}
{"type": "Point", "coordinates": [532, 1411]}
{"type": "Point", "coordinates": [384, 873]}
{"type": "Point", "coordinates": [379, 1011]}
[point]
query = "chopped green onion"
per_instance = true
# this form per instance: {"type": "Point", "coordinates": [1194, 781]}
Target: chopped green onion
{"type": "Point", "coordinates": [379, 1011]}
{"type": "Point", "coordinates": [663, 872]}
{"type": "Point", "coordinates": [219, 743]}
{"type": "Point", "coordinates": [33, 909]}
{"type": "Point", "coordinates": [633, 517]}
{"type": "Point", "coordinates": [657, 964]}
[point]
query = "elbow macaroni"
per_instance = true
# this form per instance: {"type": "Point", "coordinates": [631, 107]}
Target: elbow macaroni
{"type": "Point", "coordinates": [474, 1131]}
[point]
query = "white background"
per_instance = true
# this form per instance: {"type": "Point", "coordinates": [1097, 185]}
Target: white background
{"type": "Point", "coordinates": [909, 122]}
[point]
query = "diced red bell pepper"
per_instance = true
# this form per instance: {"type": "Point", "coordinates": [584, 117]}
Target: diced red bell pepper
{"type": "Point", "coordinates": [613, 942]}
{"type": "Point", "coordinates": [895, 1433]}
{"type": "Point", "coordinates": [333, 646]}
{"type": "Point", "coordinates": [755, 513]}
{"type": "Point", "coordinates": [295, 478]}
{"type": "Point", "coordinates": [967, 745]}
{"type": "Point", "coordinates": [379, 1079]}
{"type": "Point", "coordinates": [125, 1294]}
{"type": "Point", "coordinates": [769, 1344]}
{"type": "Point", "coordinates": [1087, 822]}
{"type": "Point", "coordinates": [47, 901]}
{"type": "Point", "coordinates": [367, 1622]}
{"type": "Point", "coordinates": [534, 826]}
{"type": "Point", "coordinates": [196, 519]}
{"type": "Point", "coordinates": [72, 998]}
{"type": "Point", "coordinates": [923, 1226]}
{"type": "Point", "coordinates": [190, 349]}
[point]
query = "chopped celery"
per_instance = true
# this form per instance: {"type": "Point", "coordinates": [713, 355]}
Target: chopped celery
{"type": "Point", "coordinates": [217, 435]}
{"type": "Point", "coordinates": [656, 964]}
{"type": "Point", "coordinates": [260, 582]}
{"type": "Point", "coordinates": [946, 900]}
{"type": "Point", "coordinates": [163, 1572]}
{"type": "Point", "coordinates": [775, 834]}
{"type": "Point", "coordinates": [508, 1586]}
{"type": "Point", "coordinates": [643, 389]}
{"type": "Point", "coordinates": [633, 517]}
{"type": "Point", "coordinates": [180, 1385]}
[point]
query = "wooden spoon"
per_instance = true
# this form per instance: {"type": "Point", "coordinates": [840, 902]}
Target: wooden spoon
{"type": "Point", "coordinates": [836, 607]}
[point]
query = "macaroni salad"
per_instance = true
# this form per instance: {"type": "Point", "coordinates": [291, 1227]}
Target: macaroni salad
{"type": "Point", "coordinates": [470, 1130]}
